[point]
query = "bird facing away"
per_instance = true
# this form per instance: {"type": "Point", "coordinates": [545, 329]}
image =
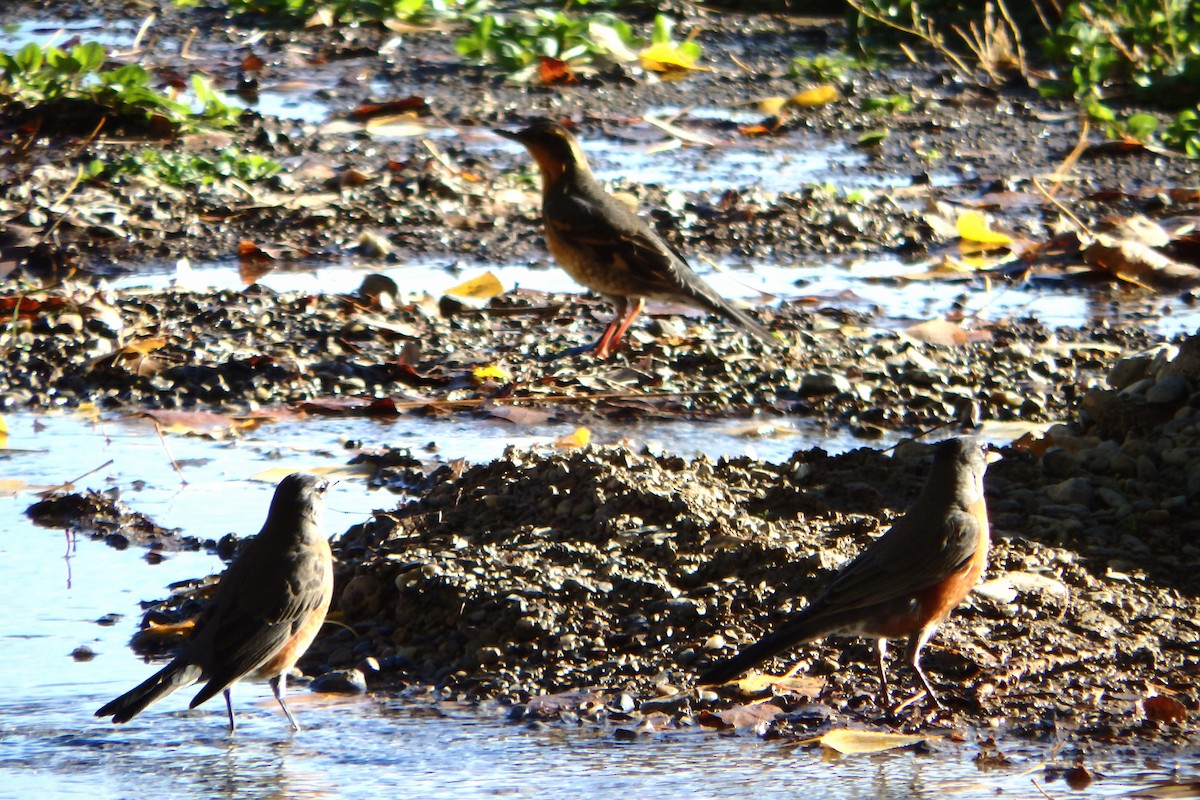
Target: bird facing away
{"type": "Point", "coordinates": [906, 582]}
{"type": "Point", "coordinates": [608, 248]}
{"type": "Point", "coordinates": [265, 612]}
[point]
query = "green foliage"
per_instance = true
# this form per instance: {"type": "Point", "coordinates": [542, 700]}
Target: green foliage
{"type": "Point", "coordinates": [890, 104]}
{"type": "Point", "coordinates": [1149, 48]}
{"type": "Point", "coordinates": [516, 42]}
{"type": "Point", "coordinates": [185, 170]}
{"type": "Point", "coordinates": [831, 67]}
{"type": "Point", "coordinates": [42, 79]}
{"type": "Point", "coordinates": [1100, 53]}
{"type": "Point", "coordinates": [413, 11]}
{"type": "Point", "coordinates": [663, 42]}
{"type": "Point", "coordinates": [1145, 49]}
{"type": "Point", "coordinates": [1184, 132]}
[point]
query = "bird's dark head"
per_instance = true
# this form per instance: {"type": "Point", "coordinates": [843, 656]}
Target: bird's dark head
{"type": "Point", "coordinates": [960, 462]}
{"type": "Point", "coordinates": [299, 494]}
{"type": "Point", "coordinates": [555, 149]}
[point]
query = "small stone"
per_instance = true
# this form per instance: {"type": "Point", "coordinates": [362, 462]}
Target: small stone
{"type": "Point", "coordinates": [1170, 390]}
{"type": "Point", "coordinates": [1127, 370]}
{"type": "Point", "coordinates": [83, 653]}
{"type": "Point", "coordinates": [340, 681]}
{"type": "Point", "coordinates": [814, 384]}
{"type": "Point", "coordinates": [1060, 463]}
{"type": "Point", "coordinates": [1073, 491]}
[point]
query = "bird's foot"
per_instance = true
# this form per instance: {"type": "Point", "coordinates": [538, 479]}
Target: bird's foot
{"type": "Point", "coordinates": [920, 695]}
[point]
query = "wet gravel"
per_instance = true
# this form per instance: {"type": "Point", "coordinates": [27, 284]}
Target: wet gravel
{"type": "Point", "coordinates": [595, 584]}
{"type": "Point", "coordinates": [452, 193]}
{"type": "Point", "coordinates": [259, 353]}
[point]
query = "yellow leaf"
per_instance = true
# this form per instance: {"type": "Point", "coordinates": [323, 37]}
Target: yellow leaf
{"type": "Point", "coordinates": [850, 742]}
{"type": "Point", "coordinates": [817, 96]}
{"type": "Point", "coordinates": [276, 474]}
{"type": "Point", "coordinates": [165, 628]}
{"type": "Point", "coordinates": [757, 683]}
{"type": "Point", "coordinates": [89, 411]}
{"type": "Point", "coordinates": [146, 346]}
{"type": "Point", "coordinates": [772, 106]}
{"type": "Point", "coordinates": [481, 288]}
{"type": "Point", "coordinates": [9, 487]}
{"type": "Point", "coordinates": [664, 56]}
{"type": "Point", "coordinates": [493, 372]}
{"type": "Point", "coordinates": [579, 438]}
{"type": "Point", "coordinates": [974, 227]}
{"type": "Point", "coordinates": [3, 433]}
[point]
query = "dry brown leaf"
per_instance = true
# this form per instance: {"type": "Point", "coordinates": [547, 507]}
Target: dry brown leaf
{"type": "Point", "coordinates": [940, 331]}
{"type": "Point", "coordinates": [850, 742]}
{"type": "Point", "coordinates": [1164, 709]}
{"type": "Point", "coordinates": [1138, 264]}
{"type": "Point", "coordinates": [520, 415]}
{"type": "Point", "coordinates": [198, 423]}
{"type": "Point", "coordinates": [552, 71]}
{"type": "Point", "coordinates": [1168, 790]}
{"type": "Point", "coordinates": [754, 716]}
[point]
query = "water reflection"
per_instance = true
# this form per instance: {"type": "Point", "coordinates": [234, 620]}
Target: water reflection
{"type": "Point", "coordinates": [54, 595]}
{"type": "Point", "coordinates": [882, 286]}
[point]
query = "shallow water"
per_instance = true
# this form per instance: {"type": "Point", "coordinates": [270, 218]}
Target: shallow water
{"type": "Point", "coordinates": [885, 286]}
{"type": "Point", "coordinates": [55, 591]}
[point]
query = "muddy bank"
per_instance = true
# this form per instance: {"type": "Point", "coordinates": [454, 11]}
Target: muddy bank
{"type": "Point", "coordinates": [262, 355]}
{"type": "Point", "coordinates": [448, 190]}
{"type": "Point", "coordinates": [607, 579]}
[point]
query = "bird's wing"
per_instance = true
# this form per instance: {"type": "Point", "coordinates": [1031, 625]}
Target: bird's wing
{"type": "Point", "coordinates": [626, 242]}
{"type": "Point", "coordinates": [248, 625]}
{"type": "Point", "coordinates": [897, 564]}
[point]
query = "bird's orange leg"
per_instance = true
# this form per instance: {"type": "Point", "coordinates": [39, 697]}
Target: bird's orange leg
{"type": "Point", "coordinates": [625, 323]}
{"type": "Point", "coordinates": [616, 329]}
{"type": "Point", "coordinates": [604, 347]}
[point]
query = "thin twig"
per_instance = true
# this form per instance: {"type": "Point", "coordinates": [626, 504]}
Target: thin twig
{"type": "Point", "coordinates": [1068, 163]}
{"type": "Point", "coordinates": [183, 51]}
{"type": "Point", "coordinates": [62, 486]}
{"type": "Point", "coordinates": [136, 47]}
{"type": "Point", "coordinates": [1082, 228]}
{"type": "Point", "coordinates": [86, 140]}
{"type": "Point", "coordinates": [1042, 791]}
{"type": "Point", "coordinates": [167, 450]}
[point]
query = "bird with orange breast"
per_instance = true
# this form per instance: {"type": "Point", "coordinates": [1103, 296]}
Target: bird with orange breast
{"type": "Point", "coordinates": [265, 612]}
{"type": "Point", "coordinates": [608, 248]}
{"type": "Point", "coordinates": [906, 583]}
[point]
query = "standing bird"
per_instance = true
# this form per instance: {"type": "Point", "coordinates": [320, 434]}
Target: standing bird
{"type": "Point", "coordinates": [605, 246]}
{"type": "Point", "coordinates": [907, 581]}
{"type": "Point", "coordinates": [265, 612]}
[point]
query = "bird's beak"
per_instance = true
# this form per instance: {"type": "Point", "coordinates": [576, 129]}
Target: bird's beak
{"type": "Point", "coordinates": [507, 134]}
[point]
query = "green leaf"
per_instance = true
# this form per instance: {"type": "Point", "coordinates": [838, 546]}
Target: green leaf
{"type": "Point", "coordinates": [29, 58]}
{"type": "Point", "coordinates": [1141, 126]}
{"type": "Point", "coordinates": [873, 138]}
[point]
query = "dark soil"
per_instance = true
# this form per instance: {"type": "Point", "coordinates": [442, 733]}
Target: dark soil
{"type": "Point", "coordinates": [990, 143]}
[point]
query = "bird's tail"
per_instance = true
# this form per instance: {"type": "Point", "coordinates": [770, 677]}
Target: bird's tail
{"type": "Point", "coordinates": [719, 305]}
{"type": "Point", "coordinates": [770, 645]}
{"type": "Point", "coordinates": [750, 325]}
{"type": "Point", "coordinates": [157, 686]}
